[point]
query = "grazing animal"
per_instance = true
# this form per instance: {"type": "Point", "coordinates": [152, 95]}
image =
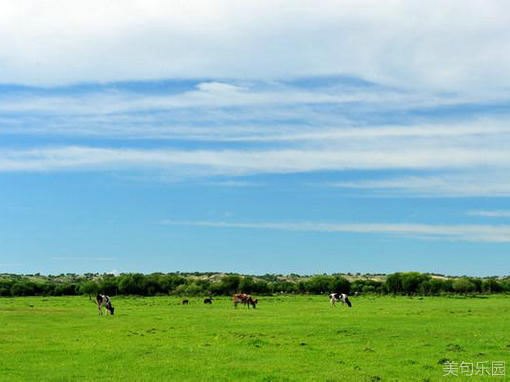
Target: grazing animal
{"type": "Point", "coordinates": [342, 297]}
{"type": "Point", "coordinates": [104, 301]}
{"type": "Point", "coordinates": [240, 298]}
{"type": "Point", "coordinates": [185, 302]}
{"type": "Point", "coordinates": [245, 299]}
{"type": "Point", "coordinates": [253, 302]}
{"type": "Point", "coordinates": [208, 300]}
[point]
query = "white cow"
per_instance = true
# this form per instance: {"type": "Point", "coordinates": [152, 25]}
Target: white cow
{"type": "Point", "coordinates": [334, 297]}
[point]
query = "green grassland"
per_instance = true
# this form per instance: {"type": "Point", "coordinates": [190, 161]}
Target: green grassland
{"type": "Point", "coordinates": [286, 338]}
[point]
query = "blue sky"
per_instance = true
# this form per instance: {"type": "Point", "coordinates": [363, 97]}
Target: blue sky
{"type": "Point", "coordinates": [351, 137]}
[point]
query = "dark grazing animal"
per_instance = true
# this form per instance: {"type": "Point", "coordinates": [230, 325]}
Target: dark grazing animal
{"type": "Point", "coordinates": [253, 302]}
{"type": "Point", "coordinates": [104, 301]}
{"type": "Point", "coordinates": [185, 302]}
{"type": "Point", "coordinates": [208, 300]}
{"type": "Point", "coordinates": [342, 297]}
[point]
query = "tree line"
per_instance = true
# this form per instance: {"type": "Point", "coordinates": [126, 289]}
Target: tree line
{"type": "Point", "coordinates": [401, 283]}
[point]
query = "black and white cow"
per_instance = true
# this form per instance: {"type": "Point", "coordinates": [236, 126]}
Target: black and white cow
{"type": "Point", "coordinates": [208, 300]}
{"type": "Point", "coordinates": [104, 301]}
{"type": "Point", "coordinates": [342, 297]}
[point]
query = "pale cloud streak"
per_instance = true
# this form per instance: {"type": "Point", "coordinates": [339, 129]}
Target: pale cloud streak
{"type": "Point", "coordinates": [494, 184]}
{"type": "Point", "coordinates": [215, 94]}
{"type": "Point", "coordinates": [225, 94]}
{"type": "Point", "coordinates": [248, 162]}
{"type": "Point", "coordinates": [491, 214]}
{"type": "Point", "coordinates": [469, 233]}
{"type": "Point", "coordinates": [405, 43]}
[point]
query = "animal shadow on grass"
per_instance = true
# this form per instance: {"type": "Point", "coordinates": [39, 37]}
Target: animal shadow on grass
{"type": "Point", "coordinates": [257, 342]}
{"type": "Point", "coordinates": [147, 332]}
{"type": "Point", "coordinates": [454, 348]}
{"type": "Point", "coordinates": [274, 378]}
{"type": "Point", "coordinates": [344, 332]}
{"type": "Point", "coordinates": [252, 339]}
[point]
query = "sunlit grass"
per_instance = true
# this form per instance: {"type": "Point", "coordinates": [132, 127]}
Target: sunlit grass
{"type": "Point", "coordinates": [285, 338]}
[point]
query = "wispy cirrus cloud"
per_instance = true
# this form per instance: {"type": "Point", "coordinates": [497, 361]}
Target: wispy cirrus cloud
{"type": "Point", "coordinates": [247, 162]}
{"type": "Point", "coordinates": [102, 101]}
{"type": "Point", "coordinates": [298, 137]}
{"type": "Point", "coordinates": [456, 184]}
{"type": "Point", "coordinates": [491, 214]}
{"type": "Point", "coordinates": [255, 111]}
{"type": "Point", "coordinates": [469, 233]}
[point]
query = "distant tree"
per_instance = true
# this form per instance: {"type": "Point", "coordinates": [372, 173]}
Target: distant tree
{"type": "Point", "coordinates": [191, 289]}
{"type": "Point", "coordinates": [230, 284]}
{"type": "Point", "coordinates": [436, 286]}
{"type": "Point", "coordinates": [491, 286]}
{"type": "Point", "coordinates": [301, 287]}
{"type": "Point", "coordinates": [108, 285]}
{"type": "Point", "coordinates": [5, 287]}
{"type": "Point", "coordinates": [90, 288]}
{"type": "Point", "coordinates": [366, 286]}
{"type": "Point", "coordinates": [463, 285]}
{"type": "Point", "coordinates": [64, 289]}
{"type": "Point", "coordinates": [23, 288]}
{"type": "Point", "coordinates": [319, 284]}
{"type": "Point", "coordinates": [505, 285]}
{"type": "Point", "coordinates": [282, 287]}
{"type": "Point", "coordinates": [477, 283]}
{"type": "Point", "coordinates": [199, 283]}
{"type": "Point", "coordinates": [131, 283]}
{"type": "Point", "coordinates": [393, 283]}
{"type": "Point", "coordinates": [246, 285]}
{"type": "Point", "coordinates": [412, 282]}
{"type": "Point", "coordinates": [339, 284]}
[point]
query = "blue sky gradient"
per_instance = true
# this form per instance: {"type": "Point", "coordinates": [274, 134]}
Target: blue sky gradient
{"type": "Point", "coordinates": [351, 160]}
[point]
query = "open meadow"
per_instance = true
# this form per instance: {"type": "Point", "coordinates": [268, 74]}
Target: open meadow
{"type": "Point", "coordinates": [286, 338]}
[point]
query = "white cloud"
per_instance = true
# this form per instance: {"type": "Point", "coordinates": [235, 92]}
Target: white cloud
{"type": "Point", "coordinates": [458, 44]}
{"type": "Point", "coordinates": [470, 233]}
{"type": "Point", "coordinates": [82, 117]}
{"type": "Point", "coordinates": [220, 94]}
{"type": "Point", "coordinates": [452, 185]}
{"type": "Point", "coordinates": [247, 162]}
{"type": "Point", "coordinates": [493, 213]}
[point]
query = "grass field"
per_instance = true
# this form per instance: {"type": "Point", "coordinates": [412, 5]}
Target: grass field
{"type": "Point", "coordinates": [285, 338]}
